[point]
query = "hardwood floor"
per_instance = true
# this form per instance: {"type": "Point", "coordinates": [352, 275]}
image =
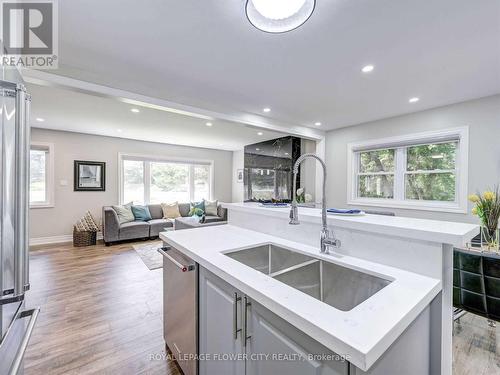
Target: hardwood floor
{"type": "Point", "coordinates": [476, 346]}
{"type": "Point", "coordinates": [101, 312]}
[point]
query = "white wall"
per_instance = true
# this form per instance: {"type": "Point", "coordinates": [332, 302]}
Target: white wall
{"type": "Point", "coordinates": [71, 205]}
{"type": "Point", "coordinates": [238, 187]}
{"type": "Point", "coordinates": [482, 116]}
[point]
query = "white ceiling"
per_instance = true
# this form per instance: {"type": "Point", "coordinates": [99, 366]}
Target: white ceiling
{"type": "Point", "coordinates": [64, 109]}
{"type": "Point", "coordinates": [206, 54]}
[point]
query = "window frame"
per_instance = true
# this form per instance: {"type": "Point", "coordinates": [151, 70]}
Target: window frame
{"type": "Point", "coordinates": [400, 144]}
{"type": "Point", "coordinates": [147, 159]}
{"type": "Point", "coordinates": [49, 175]}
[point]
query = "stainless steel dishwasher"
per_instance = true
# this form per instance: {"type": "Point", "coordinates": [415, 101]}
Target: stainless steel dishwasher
{"type": "Point", "coordinates": [180, 308]}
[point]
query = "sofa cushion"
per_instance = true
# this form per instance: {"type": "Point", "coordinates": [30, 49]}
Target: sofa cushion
{"type": "Point", "coordinates": [124, 213]}
{"type": "Point", "coordinates": [184, 209]}
{"type": "Point", "coordinates": [134, 229]}
{"type": "Point", "coordinates": [211, 207]}
{"type": "Point", "coordinates": [141, 213]}
{"type": "Point", "coordinates": [170, 210]}
{"type": "Point", "coordinates": [212, 219]}
{"type": "Point", "coordinates": [158, 225]}
{"type": "Point", "coordinates": [156, 211]}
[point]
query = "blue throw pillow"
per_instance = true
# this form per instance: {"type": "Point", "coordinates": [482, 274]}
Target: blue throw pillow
{"type": "Point", "coordinates": [200, 205]}
{"type": "Point", "coordinates": [141, 213]}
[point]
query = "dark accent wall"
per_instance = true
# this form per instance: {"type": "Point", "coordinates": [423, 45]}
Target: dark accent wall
{"type": "Point", "coordinates": [268, 168]}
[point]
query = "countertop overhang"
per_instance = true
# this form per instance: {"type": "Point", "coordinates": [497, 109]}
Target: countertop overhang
{"type": "Point", "coordinates": [446, 232]}
{"type": "Point", "coordinates": [363, 334]}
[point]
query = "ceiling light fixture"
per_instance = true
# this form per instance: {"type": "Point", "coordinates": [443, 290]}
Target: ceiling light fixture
{"type": "Point", "coordinates": [119, 130]}
{"type": "Point", "coordinates": [208, 124]}
{"type": "Point", "coordinates": [267, 110]}
{"type": "Point", "coordinates": [257, 149]}
{"type": "Point", "coordinates": [413, 100]}
{"type": "Point", "coordinates": [368, 69]}
{"type": "Point", "coordinates": [260, 133]}
{"type": "Point", "coordinates": [39, 119]}
{"type": "Point", "coordinates": [135, 110]}
{"type": "Point", "coordinates": [317, 123]}
{"type": "Point", "coordinates": [279, 16]}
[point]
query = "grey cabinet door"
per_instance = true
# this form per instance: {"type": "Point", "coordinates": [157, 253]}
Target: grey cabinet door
{"type": "Point", "coordinates": [219, 327]}
{"type": "Point", "coordinates": [276, 347]}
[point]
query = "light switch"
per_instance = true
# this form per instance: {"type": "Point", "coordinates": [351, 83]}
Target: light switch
{"type": "Point", "coordinates": [63, 182]}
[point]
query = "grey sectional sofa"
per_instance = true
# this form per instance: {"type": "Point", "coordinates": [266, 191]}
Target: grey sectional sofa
{"type": "Point", "coordinates": [113, 231]}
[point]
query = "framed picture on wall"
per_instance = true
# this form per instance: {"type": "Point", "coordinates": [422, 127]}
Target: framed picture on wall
{"type": "Point", "coordinates": [89, 176]}
{"type": "Point", "coordinates": [239, 175]}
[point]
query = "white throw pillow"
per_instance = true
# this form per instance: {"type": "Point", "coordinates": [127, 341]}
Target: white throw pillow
{"type": "Point", "coordinates": [211, 207]}
{"type": "Point", "coordinates": [124, 213]}
{"type": "Point", "coordinates": [170, 210]}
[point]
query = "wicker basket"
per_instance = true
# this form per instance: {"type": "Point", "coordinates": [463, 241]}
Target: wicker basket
{"type": "Point", "coordinates": [84, 238]}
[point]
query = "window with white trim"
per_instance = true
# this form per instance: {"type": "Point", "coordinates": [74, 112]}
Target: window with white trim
{"type": "Point", "coordinates": [41, 187]}
{"type": "Point", "coordinates": [420, 171]}
{"type": "Point", "coordinates": [146, 180]}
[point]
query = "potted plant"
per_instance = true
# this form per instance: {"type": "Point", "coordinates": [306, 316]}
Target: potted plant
{"type": "Point", "coordinates": [487, 208]}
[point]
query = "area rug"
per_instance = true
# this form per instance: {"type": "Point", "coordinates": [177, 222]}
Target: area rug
{"type": "Point", "coordinates": [150, 255]}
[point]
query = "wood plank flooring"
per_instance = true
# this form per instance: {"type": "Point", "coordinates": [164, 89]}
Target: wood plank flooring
{"type": "Point", "coordinates": [476, 346]}
{"type": "Point", "coordinates": [101, 313]}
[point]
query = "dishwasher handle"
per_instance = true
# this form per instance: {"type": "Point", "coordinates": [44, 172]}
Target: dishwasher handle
{"type": "Point", "coordinates": [182, 267]}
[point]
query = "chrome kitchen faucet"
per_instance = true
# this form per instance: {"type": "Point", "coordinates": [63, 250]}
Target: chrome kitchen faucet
{"type": "Point", "coordinates": [327, 239]}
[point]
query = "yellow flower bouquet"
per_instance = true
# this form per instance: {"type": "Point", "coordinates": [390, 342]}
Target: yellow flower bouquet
{"type": "Point", "coordinates": [487, 208]}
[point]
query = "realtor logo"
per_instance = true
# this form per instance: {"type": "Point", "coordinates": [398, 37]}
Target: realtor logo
{"type": "Point", "coordinates": [29, 33]}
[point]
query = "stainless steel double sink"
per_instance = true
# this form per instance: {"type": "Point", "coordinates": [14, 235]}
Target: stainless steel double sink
{"type": "Point", "coordinates": [337, 286]}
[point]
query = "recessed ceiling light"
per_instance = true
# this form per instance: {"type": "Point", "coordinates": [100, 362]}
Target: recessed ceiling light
{"type": "Point", "coordinates": [413, 100]}
{"type": "Point", "coordinates": [279, 16]}
{"type": "Point", "coordinates": [135, 110]}
{"type": "Point", "coordinates": [257, 149]}
{"type": "Point", "coordinates": [119, 130]}
{"type": "Point", "coordinates": [208, 124]}
{"type": "Point", "coordinates": [367, 69]}
{"type": "Point", "coordinates": [267, 110]}
{"type": "Point", "coordinates": [260, 133]}
{"type": "Point", "coordinates": [39, 119]}
{"type": "Point", "coordinates": [317, 123]}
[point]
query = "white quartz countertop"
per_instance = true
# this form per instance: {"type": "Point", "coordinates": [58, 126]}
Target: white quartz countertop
{"type": "Point", "coordinates": [447, 232]}
{"type": "Point", "coordinates": [363, 334]}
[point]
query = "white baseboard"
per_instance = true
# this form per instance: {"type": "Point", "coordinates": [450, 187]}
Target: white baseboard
{"type": "Point", "coordinates": [56, 239]}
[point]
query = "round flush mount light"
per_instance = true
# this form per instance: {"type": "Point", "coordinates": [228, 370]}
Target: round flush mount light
{"type": "Point", "coordinates": [267, 110]}
{"type": "Point", "coordinates": [413, 100]}
{"type": "Point", "coordinates": [39, 119]}
{"type": "Point", "coordinates": [368, 69]}
{"type": "Point", "coordinates": [260, 133]}
{"type": "Point", "coordinates": [279, 16]}
{"type": "Point", "coordinates": [209, 124]}
{"type": "Point", "coordinates": [134, 110]}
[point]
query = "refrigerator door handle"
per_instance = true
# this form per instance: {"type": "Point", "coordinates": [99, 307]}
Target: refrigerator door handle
{"type": "Point", "coordinates": [18, 360]}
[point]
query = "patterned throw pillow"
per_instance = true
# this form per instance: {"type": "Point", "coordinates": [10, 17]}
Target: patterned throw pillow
{"type": "Point", "coordinates": [200, 205]}
{"type": "Point", "coordinates": [141, 213]}
{"type": "Point", "coordinates": [211, 207]}
{"type": "Point", "coordinates": [124, 213]}
{"type": "Point", "coordinates": [170, 210]}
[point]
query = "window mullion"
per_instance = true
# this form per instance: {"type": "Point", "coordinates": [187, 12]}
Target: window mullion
{"type": "Point", "coordinates": [191, 182]}
{"type": "Point", "coordinates": [147, 181]}
{"type": "Point", "coordinates": [399, 174]}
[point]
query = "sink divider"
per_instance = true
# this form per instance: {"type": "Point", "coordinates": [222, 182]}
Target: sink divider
{"type": "Point", "coordinates": [293, 268]}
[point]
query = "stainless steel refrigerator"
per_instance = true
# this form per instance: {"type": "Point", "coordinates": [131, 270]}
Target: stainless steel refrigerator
{"type": "Point", "coordinates": [16, 323]}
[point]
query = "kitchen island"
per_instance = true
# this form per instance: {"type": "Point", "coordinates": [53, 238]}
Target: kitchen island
{"type": "Point", "coordinates": [402, 326]}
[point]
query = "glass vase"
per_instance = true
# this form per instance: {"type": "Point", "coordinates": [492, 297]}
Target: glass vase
{"type": "Point", "coordinates": [490, 239]}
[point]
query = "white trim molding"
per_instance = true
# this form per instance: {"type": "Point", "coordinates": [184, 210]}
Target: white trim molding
{"type": "Point", "coordinates": [49, 174]}
{"type": "Point", "coordinates": [461, 135]}
{"type": "Point", "coordinates": [65, 238]}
